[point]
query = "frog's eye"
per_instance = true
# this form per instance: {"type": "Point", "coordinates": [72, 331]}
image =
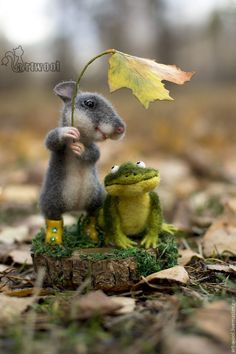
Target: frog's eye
{"type": "Point", "coordinates": [114, 169]}
{"type": "Point", "coordinates": [141, 164]}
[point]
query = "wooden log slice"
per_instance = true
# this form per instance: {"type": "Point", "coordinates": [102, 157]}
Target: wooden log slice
{"type": "Point", "coordinates": [108, 273]}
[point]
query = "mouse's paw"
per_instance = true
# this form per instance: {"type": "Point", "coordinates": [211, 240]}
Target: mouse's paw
{"type": "Point", "coordinates": [70, 133]}
{"type": "Point", "coordinates": [77, 148]}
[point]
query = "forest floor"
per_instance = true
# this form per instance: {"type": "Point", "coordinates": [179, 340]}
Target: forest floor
{"type": "Point", "coordinates": [175, 315]}
{"type": "Point", "coordinates": [191, 311]}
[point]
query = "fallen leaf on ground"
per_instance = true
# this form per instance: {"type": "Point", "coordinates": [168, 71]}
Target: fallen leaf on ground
{"type": "Point", "coordinates": [187, 256]}
{"type": "Point", "coordinates": [174, 275]}
{"type": "Point", "coordinates": [220, 238]}
{"type": "Point", "coordinates": [5, 249]}
{"type": "Point", "coordinates": [11, 307]}
{"type": "Point", "coordinates": [227, 268]}
{"type": "Point", "coordinates": [214, 320]}
{"type": "Point", "coordinates": [22, 256]}
{"type": "Point", "coordinates": [9, 235]}
{"type": "Point", "coordinates": [94, 303]}
{"type": "Point", "coordinates": [143, 76]}
{"type": "Point", "coordinates": [127, 303]}
{"type": "Point", "coordinates": [3, 267]}
{"type": "Point", "coordinates": [191, 344]}
{"type": "Point", "coordinates": [203, 162]}
{"type": "Point", "coordinates": [28, 292]}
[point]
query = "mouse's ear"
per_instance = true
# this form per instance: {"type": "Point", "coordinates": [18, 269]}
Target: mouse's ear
{"type": "Point", "coordinates": [65, 90]}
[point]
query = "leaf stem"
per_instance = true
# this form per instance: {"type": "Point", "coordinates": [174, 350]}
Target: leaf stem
{"type": "Point", "coordinates": [108, 51]}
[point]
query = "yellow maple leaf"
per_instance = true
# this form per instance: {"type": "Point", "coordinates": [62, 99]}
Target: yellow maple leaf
{"type": "Point", "coordinates": [143, 76]}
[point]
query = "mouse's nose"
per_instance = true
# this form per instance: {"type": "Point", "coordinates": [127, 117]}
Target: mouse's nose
{"type": "Point", "coordinates": [120, 130]}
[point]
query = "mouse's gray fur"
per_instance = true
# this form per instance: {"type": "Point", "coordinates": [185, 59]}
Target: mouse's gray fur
{"type": "Point", "coordinates": [71, 181]}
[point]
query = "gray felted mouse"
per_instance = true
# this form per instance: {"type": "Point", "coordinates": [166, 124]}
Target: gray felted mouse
{"type": "Point", "coordinates": [71, 181]}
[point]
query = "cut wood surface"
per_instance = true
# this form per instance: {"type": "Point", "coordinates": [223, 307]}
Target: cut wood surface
{"type": "Point", "coordinates": [109, 274]}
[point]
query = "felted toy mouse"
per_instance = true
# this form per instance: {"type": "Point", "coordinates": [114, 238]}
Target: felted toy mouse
{"type": "Point", "coordinates": [71, 182]}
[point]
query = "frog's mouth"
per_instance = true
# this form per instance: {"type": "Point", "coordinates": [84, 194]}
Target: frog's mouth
{"type": "Point", "coordinates": [130, 178]}
{"type": "Point", "coordinates": [128, 188]}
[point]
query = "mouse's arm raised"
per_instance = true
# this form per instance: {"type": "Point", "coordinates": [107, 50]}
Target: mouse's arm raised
{"type": "Point", "coordinates": [58, 137]}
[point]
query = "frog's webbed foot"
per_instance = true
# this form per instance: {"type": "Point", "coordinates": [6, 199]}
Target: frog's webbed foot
{"type": "Point", "coordinates": [123, 241]}
{"type": "Point", "coordinates": [171, 229]}
{"type": "Point", "coordinates": [150, 241]}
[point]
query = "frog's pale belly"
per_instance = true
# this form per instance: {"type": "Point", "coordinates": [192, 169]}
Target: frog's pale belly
{"type": "Point", "coordinates": [134, 213]}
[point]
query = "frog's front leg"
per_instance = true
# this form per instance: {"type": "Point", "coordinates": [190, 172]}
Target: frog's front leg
{"type": "Point", "coordinates": [155, 220]}
{"type": "Point", "coordinates": [113, 227]}
{"type": "Point", "coordinates": [121, 240]}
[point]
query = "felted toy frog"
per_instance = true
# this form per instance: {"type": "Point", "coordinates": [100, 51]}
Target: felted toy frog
{"type": "Point", "coordinates": [131, 207]}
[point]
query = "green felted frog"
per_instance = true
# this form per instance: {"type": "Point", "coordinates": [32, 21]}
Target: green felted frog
{"type": "Point", "coordinates": [132, 208]}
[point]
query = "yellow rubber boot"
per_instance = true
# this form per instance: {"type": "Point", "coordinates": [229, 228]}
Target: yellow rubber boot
{"type": "Point", "coordinates": [54, 231]}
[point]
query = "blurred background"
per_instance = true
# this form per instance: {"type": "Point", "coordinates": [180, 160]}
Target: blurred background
{"type": "Point", "coordinates": [191, 140]}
